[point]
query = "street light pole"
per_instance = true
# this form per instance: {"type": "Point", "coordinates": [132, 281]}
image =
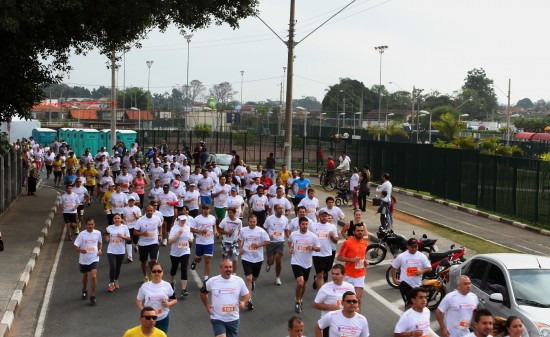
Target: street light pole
{"type": "Point", "coordinates": [357, 113]}
{"type": "Point", "coordinates": [321, 122]}
{"type": "Point", "coordinates": [381, 50]}
{"type": "Point", "coordinates": [338, 123]}
{"type": "Point", "coordinates": [149, 64]}
{"type": "Point", "coordinates": [188, 39]}
{"type": "Point", "coordinates": [424, 113]}
{"type": "Point", "coordinates": [242, 75]}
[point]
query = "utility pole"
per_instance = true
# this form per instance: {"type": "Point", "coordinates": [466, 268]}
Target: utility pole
{"type": "Point", "coordinates": [290, 67]}
{"type": "Point", "coordinates": [508, 115]}
{"type": "Point", "coordinates": [381, 50]}
{"type": "Point", "coordinates": [149, 64]}
{"type": "Point", "coordinates": [188, 39]}
{"type": "Point", "coordinates": [113, 100]}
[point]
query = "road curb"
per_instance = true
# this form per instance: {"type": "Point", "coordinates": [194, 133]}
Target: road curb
{"type": "Point", "coordinates": [18, 293]}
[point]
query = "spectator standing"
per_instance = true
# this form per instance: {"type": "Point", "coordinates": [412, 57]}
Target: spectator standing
{"type": "Point", "coordinates": [270, 166]}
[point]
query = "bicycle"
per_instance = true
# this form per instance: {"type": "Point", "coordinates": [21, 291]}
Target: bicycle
{"type": "Point", "coordinates": [328, 180]}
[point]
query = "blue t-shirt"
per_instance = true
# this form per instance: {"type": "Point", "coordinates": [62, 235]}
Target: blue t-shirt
{"type": "Point", "coordinates": [70, 179]}
{"type": "Point", "coordinates": [302, 184]}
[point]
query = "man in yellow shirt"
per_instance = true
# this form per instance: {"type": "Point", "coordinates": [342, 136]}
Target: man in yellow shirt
{"type": "Point", "coordinates": [71, 162]}
{"type": "Point", "coordinates": [90, 174]}
{"type": "Point", "coordinates": [147, 328]}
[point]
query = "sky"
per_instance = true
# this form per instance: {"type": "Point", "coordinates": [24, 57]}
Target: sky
{"type": "Point", "coordinates": [432, 44]}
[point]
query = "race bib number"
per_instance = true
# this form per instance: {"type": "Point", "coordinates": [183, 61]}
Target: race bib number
{"type": "Point", "coordinates": [252, 249]}
{"type": "Point", "coordinates": [301, 191]}
{"type": "Point", "coordinates": [411, 271]}
{"type": "Point", "coordinates": [90, 249]}
{"type": "Point", "coordinates": [183, 244]}
{"type": "Point", "coordinates": [277, 233]}
{"type": "Point", "coordinates": [311, 210]}
{"type": "Point", "coordinates": [115, 240]}
{"type": "Point", "coordinates": [302, 248]}
{"type": "Point", "coordinates": [69, 205]}
{"type": "Point", "coordinates": [360, 264]}
{"type": "Point", "coordinates": [464, 324]}
{"type": "Point", "coordinates": [207, 235]}
{"type": "Point", "coordinates": [259, 205]}
{"type": "Point", "coordinates": [322, 235]}
{"type": "Point", "coordinates": [124, 185]}
{"type": "Point", "coordinates": [228, 308]}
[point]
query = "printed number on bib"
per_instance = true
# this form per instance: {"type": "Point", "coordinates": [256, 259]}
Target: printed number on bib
{"type": "Point", "coordinates": [90, 249]}
{"type": "Point", "coordinates": [411, 271]}
{"type": "Point", "coordinates": [228, 308]}
{"type": "Point", "coordinates": [182, 244]}
{"type": "Point", "coordinates": [360, 264]}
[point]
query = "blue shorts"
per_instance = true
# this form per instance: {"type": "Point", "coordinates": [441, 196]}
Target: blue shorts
{"type": "Point", "coordinates": [230, 329]}
{"type": "Point", "coordinates": [206, 199]}
{"type": "Point", "coordinates": [207, 250]}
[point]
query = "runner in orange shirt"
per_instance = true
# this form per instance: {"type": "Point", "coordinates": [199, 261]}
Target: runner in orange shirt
{"type": "Point", "coordinates": [353, 252]}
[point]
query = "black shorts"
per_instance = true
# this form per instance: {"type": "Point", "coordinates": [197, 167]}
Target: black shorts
{"type": "Point", "coordinates": [133, 238]}
{"type": "Point", "coordinates": [80, 210]}
{"type": "Point", "coordinates": [150, 252]}
{"type": "Point", "coordinates": [322, 264]}
{"type": "Point", "coordinates": [90, 189]}
{"type": "Point", "coordinates": [300, 271]}
{"type": "Point", "coordinates": [261, 216]}
{"type": "Point", "coordinates": [405, 290]}
{"type": "Point", "coordinates": [252, 268]}
{"type": "Point", "coordinates": [296, 201]}
{"type": "Point", "coordinates": [69, 217]}
{"type": "Point", "coordinates": [85, 268]}
{"type": "Point", "coordinates": [57, 174]}
{"type": "Point", "coordinates": [168, 219]}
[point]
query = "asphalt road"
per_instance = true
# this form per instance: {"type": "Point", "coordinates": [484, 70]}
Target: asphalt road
{"type": "Point", "coordinates": [68, 315]}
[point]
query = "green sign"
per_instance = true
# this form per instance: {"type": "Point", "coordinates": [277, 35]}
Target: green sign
{"type": "Point", "coordinates": [212, 103]}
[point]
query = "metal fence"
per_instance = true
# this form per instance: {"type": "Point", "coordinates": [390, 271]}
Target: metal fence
{"type": "Point", "coordinates": [515, 187]}
{"type": "Point", "coordinates": [11, 177]}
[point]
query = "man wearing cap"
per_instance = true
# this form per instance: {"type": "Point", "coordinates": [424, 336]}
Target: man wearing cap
{"type": "Point", "coordinates": [178, 188]}
{"type": "Point", "coordinates": [236, 201]}
{"type": "Point", "coordinates": [322, 260]}
{"type": "Point", "coordinates": [206, 184]}
{"type": "Point", "coordinates": [412, 265]}
{"type": "Point", "coordinates": [131, 214]}
{"type": "Point", "coordinates": [167, 201]}
{"type": "Point", "coordinates": [191, 200]}
{"type": "Point", "coordinates": [220, 192]}
{"type": "Point", "coordinates": [205, 228]}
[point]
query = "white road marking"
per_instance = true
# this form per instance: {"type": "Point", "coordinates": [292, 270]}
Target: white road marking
{"type": "Point", "coordinates": [535, 251]}
{"type": "Point", "coordinates": [374, 284]}
{"type": "Point", "coordinates": [49, 288]}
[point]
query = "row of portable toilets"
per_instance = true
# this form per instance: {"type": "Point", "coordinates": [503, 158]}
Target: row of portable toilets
{"type": "Point", "coordinates": [81, 139]}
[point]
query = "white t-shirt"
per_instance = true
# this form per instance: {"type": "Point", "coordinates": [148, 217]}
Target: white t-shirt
{"type": "Point", "coordinates": [240, 171]}
{"type": "Point", "coordinates": [82, 192]}
{"type": "Point", "coordinates": [192, 200]}
{"type": "Point", "coordinates": [331, 293]}
{"type": "Point", "coordinates": [194, 178]}
{"type": "Point", "coordinates": [236, 202]}
{"type": "Point", "coordinates": [185, 172]}
{"type": "Point", "coordinates": [179, 192]}
{"type": "Point", "coordinates": [131, 214]}
{"type": "Point", "coordinates": [249, 236]}
{"type": "Point", "coordinates": [105, 181]}
{"type": "Point", "coordinates": [225, 297]}
{"type": "Point", "coordinates": [48, 159]}
{"type": "Point", "coordinates": [115, 163]}
{"type": "Point", "coordinates": [258, 203]}
{"type": "Point", "coordinates": [205, 186]}
{"type": "Point", "coordinates": [166, 177]}
{"type": "Point", "coordinates": [294, 224]}
{"type": "Point", "coordinates": [354, 181]}
{"type": "Point", "coordinates": [248, 178]}
{"type": "Point", "coordinates": [323, 233]}
{"type": "Point", "coordinates": [155, 173]}
{"type": "Point", "coordinates": [69, 202]}
{"type": "Point", "coordinates": [275, 227]}
{"type": "Point", "coordinates": [155, 191]}
{"type": "Point", "coordinates": [151, 227]}
{"type": "Point", "coordinates": [153, 294]}
{"type": "Point", "coordinates": [412, 320]}
{"type": "Point", "coordinates": [311, 205]}
{"type": "Point", "coordinates": [272, 190]}
{"type": "Point", "coordinates": [282, 201]}
{"type": "Point", "coordinates": [234, 226]}
{"type": "Point", "coordinates": [181, 246]}
{"type": "Point", "coordinates": [339, 325]}
{"type": "Point", "coordinates": [386, 186]}
{"type": "Point", "coordinates": [117, 245]}
{"type": "Point", "coordinates": [303, 256]}
{"type": "Point", "coordinates": [89, 242]}
{"type": "Point", "coordinates": [124, 181]}
{"type": "Point", "coordinates": [221, 200]}
{"type": "Point", "coordinates": [118, 201]}
{"type": "Point", "coordinates": [134, 170]}
{"type": "Point", "coordinates": [409, 264]}
{"type": "Point", "coordinates": [457, 310]}
{"type": "Point", "coordinates": [165, 200]}
{"type": "Point", "coordinates": [208, 223]}
{"type": "Point", "coordinates": [335, 211]}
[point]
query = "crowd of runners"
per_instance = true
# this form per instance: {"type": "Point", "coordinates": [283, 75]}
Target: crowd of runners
{"type": "Point", "coordinates": [173, 198]}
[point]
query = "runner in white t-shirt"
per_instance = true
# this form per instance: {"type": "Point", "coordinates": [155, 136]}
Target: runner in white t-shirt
{"type": "Point", "coordinates": [191, 200]}
{"type": "Point", "coordinates": [228, 294]}
{"type": "Point", "coordinates": [236, 201]}
{"type": "Point", "coordinates": [131, 214]}
{"type": "Point", "coordinates": [230, 227]}
{"type": "Point", "coordinates": [116, 234]}
{"type": "Point", "coordinates": [311, 204]}
{"type": "Point", "coordinates": [220, 192]}
{"type": "Point", "coordinates": [88, 244]}
{"type": "Point", "coordinates": [294, 224]}
{"type": "Point", "coordinates": [301, 245]}
{"type": "Point", "coordinates": [275, 226]}
{"type": "Point", "coordinates": [147, 228]}
{"type": "Point", "coordinates": [205, 230]}
{"type": "Point", "coordinates": [167, 202]}
{"type": "Point", "coordinates": [180, 238]}
{"type": "Point", "coordinates": [329, 296]}
{"type": "Point", "coordinates": [416, 320]}
{"type": "Point", "coordinates": [455, 310]}
{"type": "Point", "coordinates": [280, 199]}
{"type": "Point", "coordinates": [345, 322]}
{"type": "Point", "coordinates": [322, 260]}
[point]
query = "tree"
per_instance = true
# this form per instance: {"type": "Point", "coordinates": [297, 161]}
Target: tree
{"type": "Point", "coordinates": [310, 103]}
{"type": "Point", "coordinates": [196, 89]}
{"type": "Point", "coordinates": [101, 92]}
{"type": "Point", "coordinates": [51, 30]}
{"type": "Point", "coordinates": [333, 102]}
{"type": "Point", "coordinates": [525, 103]}
{"type": "Point", "coordinates": [479, 88]}
{"type": "Point", "coordinates": [448, 126]}
{"type": "Point", "coordinates": [223, 92]}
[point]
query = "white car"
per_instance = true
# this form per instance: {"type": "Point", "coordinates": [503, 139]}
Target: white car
{"type": "Point", "coordinates": [511, 284]}
{"type": "Point", "coordinates": [223, 161]}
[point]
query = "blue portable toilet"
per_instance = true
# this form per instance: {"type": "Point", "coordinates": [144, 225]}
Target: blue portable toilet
{"type": "Point", "coordinates": [63, 133]}
{"type": "Point", "coordinates": [44, 135]}
{"type": "Point", "coordinates": [105, 139]}
{"type": "Point", "coordinates": [88, 138]}
{"type": "Point", "coordinates": [128, 137]}
{"type": "Point", "coordinates": [72, 140]}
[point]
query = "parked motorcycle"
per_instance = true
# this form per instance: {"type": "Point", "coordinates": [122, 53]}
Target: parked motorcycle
{"type": "Point", "coordinates": [436, 287]}
{"type": "Point", "coordinates": [396, 244]}
{"type": "Point", "coordinates": [453, 255]}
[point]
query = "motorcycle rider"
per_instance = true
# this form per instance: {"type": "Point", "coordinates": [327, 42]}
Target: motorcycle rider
{"type": "Point", "coordinates": [455, 310]}
{"type": "Point", "coordinates": [412, 265]}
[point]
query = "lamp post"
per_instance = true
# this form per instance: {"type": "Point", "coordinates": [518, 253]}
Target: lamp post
{"type": "Point", "coordinates": [242, 75]}
{"type": "Point", "coordinates": [188, 39]}
{"type": "Point", "coordinates": [338, 122]}
{"type": "Point", "coordinates": [424, 113]}
{"type": "Point", "coordinates": [381, 50]}
{"type": "Point", "coordinates": [357, 113]}
{"type": "Point", "coordinates": [388, 115]}
{"type": "Point", "coordinates": [460, 121]}
{"type": "Point", "coordinates": [149, 64]}
{"type": "Point", "coordinates": [321, 122]}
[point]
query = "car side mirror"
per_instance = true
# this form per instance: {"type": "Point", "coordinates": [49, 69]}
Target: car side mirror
{"type": "Point", "coordinates": [496, 297]}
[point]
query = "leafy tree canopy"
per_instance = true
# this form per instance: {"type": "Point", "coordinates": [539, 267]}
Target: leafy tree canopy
{"type": "Point", "coordinates": [333, 102]}
{"type": "Point", "coordinates": [478, 88]}
{"type": "Point", "coordinates": [525, 103]}
{"type": "Point", "coordinates": [38, 37]}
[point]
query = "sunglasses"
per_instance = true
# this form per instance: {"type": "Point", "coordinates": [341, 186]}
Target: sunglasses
{"type": "Point", "coordinates": [154, 318]}
{"type": "Point", "coordinates": [352, 301]}
{"type": "Point", "coordinates": [156, 271]}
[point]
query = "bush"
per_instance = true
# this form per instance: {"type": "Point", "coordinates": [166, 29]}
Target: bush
{"type": "Point", "coordinates": [243, 138]}
{"type": "Point", "coordinates": [202, 130]}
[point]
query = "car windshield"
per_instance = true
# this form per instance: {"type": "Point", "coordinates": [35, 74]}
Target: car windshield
{"type": "Point", "coordinates": [531, 287]}
{"type": "Point", "coordinates": [223, 160]}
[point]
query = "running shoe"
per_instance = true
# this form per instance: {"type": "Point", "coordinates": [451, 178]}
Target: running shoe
{"type": "Point", "coordinates": [278, 281]}
{"type": "Point", "coordinates": [297, 307]}
{"type": "Point", "coordinates": [130, 259]}
{"type": "Point", "coordinates": [267, 268]}
{"type": "Point", "coordinates": [183, 294]}
{"type": "Point", "coordinates": [84, 294]}
{"type": "Point", "coordinates": [92, 300]}
{"type": "Point", "coordinates": [193, 265]}
{"type": "Point", "coordinates": [250, 305]}
{"type": "Point", "coordinates": [117, 286]}
{"type": "Point", "coordinates": [164, 242]}
{"type": "Point", "coordinates": [111, 287]}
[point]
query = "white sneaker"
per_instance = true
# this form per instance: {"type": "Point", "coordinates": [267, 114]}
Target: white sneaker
{"type": "Point", "coordinates": [164, 242]}
{"type": "Point", "coordinates": [277, 281]}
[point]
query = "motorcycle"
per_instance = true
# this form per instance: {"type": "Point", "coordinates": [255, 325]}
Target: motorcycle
{"type": "Point", "coordinates": [436, 287]}
{"type": "Point", "coordinates": [452, 255]}
{"type": "Point", "coordinates": [396, 244]}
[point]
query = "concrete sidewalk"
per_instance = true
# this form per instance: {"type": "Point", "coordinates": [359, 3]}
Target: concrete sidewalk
{"type": "Point", "coordinates": [24, 228]}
